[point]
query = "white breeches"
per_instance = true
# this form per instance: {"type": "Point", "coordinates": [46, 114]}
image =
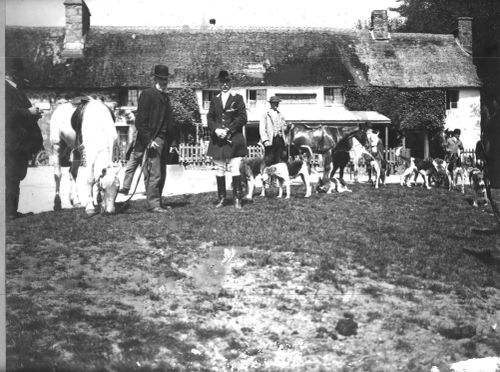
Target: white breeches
{"type": "Point", "coordinates": [233, 165]}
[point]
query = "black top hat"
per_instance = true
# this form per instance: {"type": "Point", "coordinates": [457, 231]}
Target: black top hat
{"type": "Point", "coordinates": [224, 76]}
{"type": "Point", "coordinates": [161, 71]}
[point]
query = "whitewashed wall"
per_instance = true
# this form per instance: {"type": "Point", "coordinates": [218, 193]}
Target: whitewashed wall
{"type": "Point", "coordinates": [466, 117]}
{"type": "Point", "coordinates": [254, 113]}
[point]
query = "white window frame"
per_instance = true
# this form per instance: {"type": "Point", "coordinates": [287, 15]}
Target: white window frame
{"type": "Point", "coordinates": [333, 96]}
{"type": "Point", "coordinates": [297, 98]}
{"type": "Point", "coordinates": [206, 97]}
{"type": "Point", "coordinates": [260, 97]}
{"type": "Point", "coordinates": [451, 104]}
{"type": "Point", "coordinates": [133, 97]}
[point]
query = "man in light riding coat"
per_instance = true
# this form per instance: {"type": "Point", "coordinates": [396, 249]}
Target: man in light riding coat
{"type": "Point", "coordinates": [272, 128]}
{"type": "Point", "coordinates": [226, 118]}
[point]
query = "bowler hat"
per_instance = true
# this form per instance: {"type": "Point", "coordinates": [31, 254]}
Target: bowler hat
{"type": "Point", "coordinates": [274, 99]}
{"type": "Point", "coordinates": [161, 71]}
{"type": "Point", "coordinates": [457, 131]}
{"type": "Point", "coordinates": [224, 76]}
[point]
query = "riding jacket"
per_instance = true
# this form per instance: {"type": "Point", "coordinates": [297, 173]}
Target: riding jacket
{"type": "Point", "coordinates": [154, 119]}
{"type": "Point", "coordinates": [232, 116]}
{"type": "Point", "coordinates": [23, 136]}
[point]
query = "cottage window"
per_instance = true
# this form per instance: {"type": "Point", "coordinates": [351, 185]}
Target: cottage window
{"type": "Point", "coordinates": [451, 99]}
{"type": "Point", "coordinates": [133, 97]}
{"type": "Point", "coordinates": [297, 98]}
{"type": "Point", "coordinates": [256, 97]}
{"type": "Point", "coordinates": [208, 95]}
{"type": "Point", "coordinates": [128, 97]}
{"type": "Point", "coordinates": [333, 96]}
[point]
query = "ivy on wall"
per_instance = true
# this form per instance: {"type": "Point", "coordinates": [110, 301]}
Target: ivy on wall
{"type": "Point", "coordinates": [185, 106]}
{"type": "Point", "coordinates": [408, 110]}
{"type": "Point", "coordinates": [186, 111]}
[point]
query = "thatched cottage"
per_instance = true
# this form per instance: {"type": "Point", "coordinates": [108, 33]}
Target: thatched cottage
{"type": "Point", "coordinates": [308, 68]}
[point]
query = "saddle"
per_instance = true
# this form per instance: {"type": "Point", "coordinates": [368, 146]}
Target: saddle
{"type": "Point", "coordinates": [312, 126]}
{"type": "Point", "coordinates": [77, 117]}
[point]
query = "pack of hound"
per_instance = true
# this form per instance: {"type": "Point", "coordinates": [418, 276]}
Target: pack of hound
{"type": "Point", "coordinates": [441, 172]}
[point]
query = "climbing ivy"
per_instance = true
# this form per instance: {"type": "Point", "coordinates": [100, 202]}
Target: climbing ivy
{"type": "Point", "coordinates": [186, 111]}
{"type": "Point", "coordinates": [408, 109]}
{"type": "Point", "coordinates": [185, 106]}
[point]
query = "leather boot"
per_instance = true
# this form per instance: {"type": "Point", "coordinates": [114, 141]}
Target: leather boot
{"type": "Point", "coordinates": [221, 191]}
{"type": "Point", "coordinates": [237, 192]}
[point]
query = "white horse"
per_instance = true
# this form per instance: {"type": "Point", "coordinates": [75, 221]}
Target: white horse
{"type": "Point", "coordinates": [357, 152]}
{"type": "Point", "coordinates": [97, 138]}
{"type": "Point", "coordinates": [375, 159]}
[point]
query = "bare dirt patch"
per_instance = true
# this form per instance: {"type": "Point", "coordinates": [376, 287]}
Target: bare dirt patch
{"type": "Point", "coordinates": [231, 291]}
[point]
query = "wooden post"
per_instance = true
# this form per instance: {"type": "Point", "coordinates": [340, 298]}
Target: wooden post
{"type": "Point", "coordinates": [426, 144]}
{"type": "Point", "coordinates": [386, 141]}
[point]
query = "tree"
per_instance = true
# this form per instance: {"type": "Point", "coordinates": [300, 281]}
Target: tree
{"type": "Point", "coordinates": [439, 16]}
{"type": "Point", "coordinates": [186, 111]}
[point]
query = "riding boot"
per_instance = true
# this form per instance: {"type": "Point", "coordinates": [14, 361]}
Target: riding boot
{"type": "Point", "coordinates": [237, 192]}
{"type": "Point", "coordinates": [221, 191]}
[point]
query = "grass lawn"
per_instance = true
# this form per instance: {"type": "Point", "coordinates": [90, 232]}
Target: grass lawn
{"type": "Point", "coordinates": [373, 280]}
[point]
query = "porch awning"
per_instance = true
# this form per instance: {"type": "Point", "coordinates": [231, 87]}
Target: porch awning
{"type": "Point", "coordinates": [330, 117]}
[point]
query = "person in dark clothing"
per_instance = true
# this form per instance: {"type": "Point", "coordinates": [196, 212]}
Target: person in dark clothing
{"type": "Point", "coordinates": [226, 118]}
{"type": "Point", "coordinates": [155, 133]}
{"type": "Point", "coordinates": [23, 137]}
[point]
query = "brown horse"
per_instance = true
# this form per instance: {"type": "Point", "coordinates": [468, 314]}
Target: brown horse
{"type": "Point", "coordinates": [488, 150]}
{"type": "Point", "coordinates": [319, 139]}
{"type": "Point", "coordinates": [346, 147]}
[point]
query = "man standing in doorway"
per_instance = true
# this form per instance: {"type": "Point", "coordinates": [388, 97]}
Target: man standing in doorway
{"type": "Point", "coordinates": [226, 118]}
{"type": "Point", "coordinates": [155, 133]}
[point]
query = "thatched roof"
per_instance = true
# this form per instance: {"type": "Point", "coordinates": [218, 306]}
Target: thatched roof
{"type": "Point", "coordinates": [115, 57]}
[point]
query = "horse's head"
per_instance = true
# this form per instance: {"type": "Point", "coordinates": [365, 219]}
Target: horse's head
{"type": "Point", "coordinates": [372, 140]}
{"type": "Point", "coordinates": [362, 136]}
{"type": "Point", "coordinates": [107, 189]}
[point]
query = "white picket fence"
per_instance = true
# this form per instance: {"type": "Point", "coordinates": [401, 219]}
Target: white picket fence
{"type": "Point", "coordinates": [194, 155]}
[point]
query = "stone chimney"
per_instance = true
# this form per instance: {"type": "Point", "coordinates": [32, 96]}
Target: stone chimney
{"type": "Point", "coordinates": [464, 33]}
{"type": "Point", "coordinates": [380, 25]}
{"type": "Point", "coordinates": [77, 26]}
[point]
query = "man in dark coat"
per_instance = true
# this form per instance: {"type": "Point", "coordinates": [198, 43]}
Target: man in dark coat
{"type": "Point", "coordinates": [226, 118]}
{"type": "Point", "coordinates": [23, 137]}
{"type": "Point", "coordinates": [155, 133]}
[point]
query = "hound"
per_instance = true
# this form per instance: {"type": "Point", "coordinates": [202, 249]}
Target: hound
{"type": "Point", "coordinates": [254, 169]}
{"type": "Point", "coordinates": [426, 168]}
